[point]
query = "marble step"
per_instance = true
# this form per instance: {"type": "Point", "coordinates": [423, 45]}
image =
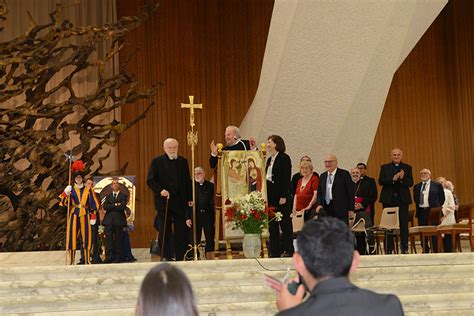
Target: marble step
{"type": "Point", "coordinates": [105, 285]}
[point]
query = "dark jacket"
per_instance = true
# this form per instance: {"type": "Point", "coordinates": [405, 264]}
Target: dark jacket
{"type": "Point", "coordinates": [342, 192]}
{"type": "Point", "coordinates": [115, 210]}
{"type": "Point", "coordinates": [339, 296]}
{"type": "Point", "coordinates": [400, 187]}
{"type": "Point", "coordinates": [279, 187]}
{"type": "Point", "coordinates": [435, 195]}
{"type": "Point", "coordinates": [239, 146]}
{"type": "Point", "coordinates": [160, 176]}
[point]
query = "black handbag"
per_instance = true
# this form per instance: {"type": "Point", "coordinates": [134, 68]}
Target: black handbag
{"type": "Point", "coordinates": [155, 248]}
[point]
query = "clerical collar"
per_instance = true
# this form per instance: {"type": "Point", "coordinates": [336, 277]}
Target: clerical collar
{"type": "Point", "coordinates": [171, 158]}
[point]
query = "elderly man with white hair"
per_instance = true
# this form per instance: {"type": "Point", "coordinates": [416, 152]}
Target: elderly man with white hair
{"type": "Point", "coordinates": [169, 179]}
{"type": "Point", "coordinates": [427, 194]}
{"type": "Point", "coordinates": [233, 142]}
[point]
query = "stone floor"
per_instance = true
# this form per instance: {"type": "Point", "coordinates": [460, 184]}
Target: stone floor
{"type": "Point", "coordinates": [39, 283]}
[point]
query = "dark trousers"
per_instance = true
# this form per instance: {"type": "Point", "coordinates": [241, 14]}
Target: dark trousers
{"type": "Point", "coordinates": [286, 226]}
{"type": "Point", "coordinates": [447, 243]}
{"type": "Point", "coordinates": [423, 215]}
{"type": "Point", "coordinates": [403, 219]}
{"type": "Point", "coordinates": [95, 251]}
{"type": "Point", "coordinates": [330, 211]}
{"type": "Point", "coordinates": [205, 220]}
{"type": "Point", "coordinates": [113, 243]}
{"type": "Point", "coordinates": [175, 240]}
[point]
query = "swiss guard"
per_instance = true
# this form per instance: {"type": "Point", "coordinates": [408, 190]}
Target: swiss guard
{"type": "Point", "coordinates": [80, 201]}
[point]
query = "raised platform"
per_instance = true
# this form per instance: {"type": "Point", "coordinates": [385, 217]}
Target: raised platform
{"type": "Point", "coordinates": [38, 283]}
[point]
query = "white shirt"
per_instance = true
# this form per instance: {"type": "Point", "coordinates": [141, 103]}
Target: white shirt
{"type": "Point", "coordinates": [329, 183]}
{"type": "Point", "coordinates": [448, 208]}
{"type": "Point", "coordinates": [270, 167]}
{"type": "Point", "coordinates": [426, 192]}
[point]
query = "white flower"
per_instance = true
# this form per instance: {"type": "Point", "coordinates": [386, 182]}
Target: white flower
{"type": "Point", "coordinates": [278, 216]}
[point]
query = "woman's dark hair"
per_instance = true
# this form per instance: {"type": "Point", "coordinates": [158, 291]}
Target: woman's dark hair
{"type": "Point", "coordinates": [166, 291]}
{"type": "Point", "coordinates": [279, 142]}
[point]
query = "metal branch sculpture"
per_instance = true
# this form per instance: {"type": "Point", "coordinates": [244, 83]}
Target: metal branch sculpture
{"type": "Point", "coordinates": [33, 168]}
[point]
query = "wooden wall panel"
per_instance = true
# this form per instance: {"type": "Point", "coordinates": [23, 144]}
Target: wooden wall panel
{"type": "Point", "coordinates": [428, 112]}
{"type": "Point", "coordinates": [211, 49]}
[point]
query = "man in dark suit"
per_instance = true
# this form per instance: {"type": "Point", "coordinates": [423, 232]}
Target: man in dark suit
{"type": "Point", "coordinates": [335, 190]}
{"type": "Point", "coordinates": [205, 216]}
{"type": "Point", "coordinates": [233, 142]}
{"type": "Point", "coordinates": [396, 179]}
{"type": "Point", "coordinates": [169, 179]}
{"type": "Point", "coordinates": [114, 222]}
{"type": "Point", "coordinates": [371, 187]}
{"type": "Point", "coordinates": [427, 194]}
{"type": "Point", "coordinates": [325, 255]}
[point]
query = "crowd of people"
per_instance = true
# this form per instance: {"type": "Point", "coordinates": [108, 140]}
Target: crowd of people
{"type": "Point", "coordinates": [337, 192]}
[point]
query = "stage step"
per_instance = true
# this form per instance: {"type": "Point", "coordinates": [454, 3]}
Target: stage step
{"type": "Point", "coordinates": [431, 284]}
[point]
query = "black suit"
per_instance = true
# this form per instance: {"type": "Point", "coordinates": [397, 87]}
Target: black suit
{"type": "Point", "coordinates": [342, 194]}
{"type": "Point", "coordinates": [435, 199]}
{"type": "Point", "coordinates": [397, 194]}
{"type": "Point", "coordinates": [278, 188]}
{"type": "Point", "coordinates": [173, 176]}
{"type": "Point", "coordinates": [239, 146]}
{"type": "Point", "coordinates": [339, 296]}
{"type": "Point", "coordinates": [372, 193]}
{"type": "Point", "coordinates": [114, 222]}
{"type": "Point", "coordinates": [205, 215]}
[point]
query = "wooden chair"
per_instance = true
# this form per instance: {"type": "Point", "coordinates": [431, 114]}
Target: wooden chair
{"type": "Point", "coordinates": [389, 225]}
{"type": "Point", "coordinates": [464, 225]}
{"type": "Point", "coordinates": [426, 231]}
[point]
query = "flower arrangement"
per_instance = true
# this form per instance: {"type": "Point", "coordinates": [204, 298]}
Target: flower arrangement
{"type": "Point", "coordinates": [250, 213]}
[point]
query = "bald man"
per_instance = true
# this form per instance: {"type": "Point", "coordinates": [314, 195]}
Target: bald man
{"type": "Point", "coordinates": [335, 190]}
{"type": "Point", "coordinates": [396, 178]}
{"type": "Point", "coordinates": [170, 180]}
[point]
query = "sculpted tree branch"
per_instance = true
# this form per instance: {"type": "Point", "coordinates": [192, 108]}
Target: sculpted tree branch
{"type": "Point", "coordinates": [33, 133]}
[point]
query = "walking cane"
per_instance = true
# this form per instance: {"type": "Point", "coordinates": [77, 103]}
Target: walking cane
{"type": "Point", "coordinates": [164, 228]}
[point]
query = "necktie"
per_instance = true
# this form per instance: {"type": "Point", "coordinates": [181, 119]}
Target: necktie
{"type": "Point", "coordinates": [422, 193]}
{"type": "Point", "coordinates": [328, 189]}
{"type": "Point", "coordinates": [115, 195]}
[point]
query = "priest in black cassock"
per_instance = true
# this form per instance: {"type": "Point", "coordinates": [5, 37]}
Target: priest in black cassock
{"type": "Point", "coordinates": [233, 142]}
{"type": "Point", "coordinates": [170, 181]}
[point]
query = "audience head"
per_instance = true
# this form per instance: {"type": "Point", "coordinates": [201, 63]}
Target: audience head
{"type": "Point", "coordinates": [199, 174]}
{"type": "Point", "coordinates": [275, 144]}
{"type": "Point", "coordinates": [355, 174]}
{"type": "Point", "coordinates": [306, 168]}
{"type": "Point", "coordinates": [330, 162]}
{"type": "Point", "coordinates": [170, 146]}
{"type": "Point", "coordinates": [232, 134]}
{"type": "Point", "coordinates": [396, 155]}
{"type": "Point", "coordinates": [166, 291]}
{"type": "Point", "coordinates": [425, 174]}
{"type": "Point", "coordinates": [325, 249]}
{"type": "Point", "coordinates": [305, 158]}
{"type": "Point", "coordinates": [363, 168]}
{"type": "Point", "coordinates": [449, 186]}
{"type": "Point", "coordinates": [442, 181]}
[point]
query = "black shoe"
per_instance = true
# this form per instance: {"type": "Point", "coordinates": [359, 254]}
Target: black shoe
{"type": "Point", "coordinates": [81, 262]}
{"type": "Point", "coordinates": [107, 261]}
{"type": "Point", "coordinates": [404, 252]}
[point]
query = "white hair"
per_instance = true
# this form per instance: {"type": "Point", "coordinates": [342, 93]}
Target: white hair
{"type": "Point", "coordinates": [168, 141]}
{"type": "Point", "coordinates": [199, 169]}
{"type": "Point", "coordinates": [235, 129]}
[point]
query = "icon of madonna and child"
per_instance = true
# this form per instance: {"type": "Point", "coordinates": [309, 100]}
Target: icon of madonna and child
{"type": "Point", "coordinates": [244, 175]}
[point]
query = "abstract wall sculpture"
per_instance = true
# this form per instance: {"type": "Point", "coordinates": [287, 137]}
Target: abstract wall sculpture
{"type": "Point", "coordinates": [39, 117]}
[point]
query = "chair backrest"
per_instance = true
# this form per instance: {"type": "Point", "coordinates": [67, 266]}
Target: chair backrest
{"type": "Point", "coordinates": [351, 219]}
{"type": "Point", "coordinates": [389, 219]}
{"type": "Point", "coordinates": [435, 216]}
{"type": "Point", "coordinates": [359, 226]}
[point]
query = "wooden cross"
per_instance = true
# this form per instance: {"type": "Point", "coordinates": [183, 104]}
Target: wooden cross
{"type": "Point", "coordinates": [191, 106]}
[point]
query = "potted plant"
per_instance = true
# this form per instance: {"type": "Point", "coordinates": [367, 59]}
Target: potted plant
{"type": "Point", "coordinates": [250, 214]}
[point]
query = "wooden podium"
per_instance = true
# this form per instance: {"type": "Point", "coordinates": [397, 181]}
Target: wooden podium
{"type": "Point", "coordinates": [238, 173]}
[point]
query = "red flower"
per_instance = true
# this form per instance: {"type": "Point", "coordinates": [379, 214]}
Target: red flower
{"type": "Point", "coordinates": [243, 216]}
{"type": "Point", "coordinates": [230, 214]}
{"type": "Point", "coordinates": [270, 211]}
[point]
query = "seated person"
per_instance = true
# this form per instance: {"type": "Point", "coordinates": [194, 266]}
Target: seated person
{"type": "Point", "coordinates": [166, 290]}
{"type": "Point", "coordinates": [324, 256]}
{"type": "Point", "coordinates": [306, 189]}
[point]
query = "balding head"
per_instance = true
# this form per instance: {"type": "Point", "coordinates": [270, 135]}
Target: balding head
{"type": "Point", "coordinates": [170, 146]}
{"type": "Point", "coordinates": [330, 162]}
{"type": "Point", "coordinates": [396, 155]}
{"type": "Point", "coordinates": [232, 134]}
{"type": "Point", "coordinates": [425, 174]}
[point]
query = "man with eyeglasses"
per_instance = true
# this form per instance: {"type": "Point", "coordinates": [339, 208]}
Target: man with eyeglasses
{"type": "Point", "coordinates": [335, 190]}
{"type": "Point", "coordinates": [427, 194]}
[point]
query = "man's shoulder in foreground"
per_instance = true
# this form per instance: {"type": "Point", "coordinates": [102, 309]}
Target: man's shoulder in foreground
{"type": "Point", "coordinates": [340, 297]}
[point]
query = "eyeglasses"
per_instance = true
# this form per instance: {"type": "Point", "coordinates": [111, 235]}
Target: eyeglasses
{"type": "Point", "coordinates": [329, 161]}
